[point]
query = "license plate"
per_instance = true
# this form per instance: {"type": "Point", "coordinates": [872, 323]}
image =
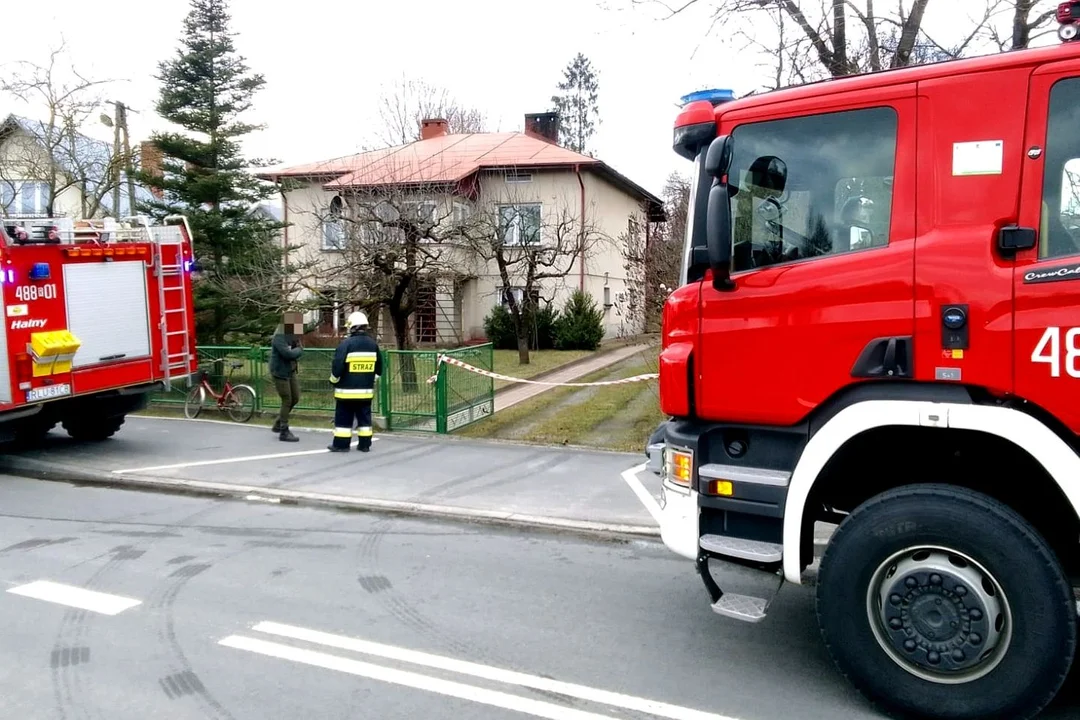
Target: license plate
{"type": "Point", "coordinates": [48, 392]}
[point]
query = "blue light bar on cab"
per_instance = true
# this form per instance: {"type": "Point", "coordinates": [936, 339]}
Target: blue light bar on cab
{"type": "Point", "coordinates": [714, 96]}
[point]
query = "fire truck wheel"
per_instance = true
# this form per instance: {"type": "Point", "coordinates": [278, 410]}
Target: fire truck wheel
{"type": "Point", "coordinates": [940, 602]}
{"type": "Point", "coordinates": [94, 429]}
{"type": "Point", "coordinates": [31, 432]}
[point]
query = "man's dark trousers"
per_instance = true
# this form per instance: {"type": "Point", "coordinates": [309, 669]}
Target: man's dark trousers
{"type": "Point", "coordinates": [346, 413]}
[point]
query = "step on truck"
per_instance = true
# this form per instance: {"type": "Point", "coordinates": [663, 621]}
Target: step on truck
{"type": "Point", "coordinates": [877, 330]}
{"type": "Point", "coordinates": [98, 315]}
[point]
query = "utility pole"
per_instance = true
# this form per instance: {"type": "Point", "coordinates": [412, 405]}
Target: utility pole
{"type": "Point", "coordinates": [121, 149]}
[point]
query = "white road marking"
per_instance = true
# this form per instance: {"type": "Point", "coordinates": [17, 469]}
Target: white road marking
{"type": "Point", "coordinates": [409, 679]}
{"type": "Point", "coordinates": [486, 672]}
{"type": "Point", "coordinates": [646, 498]}
{"type": "Point", "coordinates": [222, 461]}
{"type": "Point", "coordinates": [75, 597]}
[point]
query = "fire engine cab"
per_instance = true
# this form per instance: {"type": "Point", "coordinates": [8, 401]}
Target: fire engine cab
{"type": "Point", "coordinates": [98, 314]}
{"type": "Point", "coordinates": [877, 330]}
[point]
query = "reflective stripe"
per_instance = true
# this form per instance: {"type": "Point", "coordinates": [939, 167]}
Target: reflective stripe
{"type": "Point", "coordinates": [334, 379]}
{"type": "Point", "coordinates": [350, 394]}
{"type": "Point", "coordinates": [361, 355]}
{"type": "Point", "coordinates": [340, 432]}
{"type": "Point", "coordinates": [364, 432]}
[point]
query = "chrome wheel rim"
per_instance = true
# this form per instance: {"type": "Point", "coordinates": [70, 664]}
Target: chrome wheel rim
{"type": "Point", "coordinates": [939, 615]}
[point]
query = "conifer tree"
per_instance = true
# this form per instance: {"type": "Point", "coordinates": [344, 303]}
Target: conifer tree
{"type": "Point", "coordinates": [205, 89]}
{"type": "Point", "coordinates": [576, 103]}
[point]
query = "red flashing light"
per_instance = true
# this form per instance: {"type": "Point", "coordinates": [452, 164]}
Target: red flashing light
{"type": "Point", "coordinates": [1068, 12]}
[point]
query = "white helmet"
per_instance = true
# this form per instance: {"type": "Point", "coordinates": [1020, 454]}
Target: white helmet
{"type": "Point", "coordinates": [357, 319]}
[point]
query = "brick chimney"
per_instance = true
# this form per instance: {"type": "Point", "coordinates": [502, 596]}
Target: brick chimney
{"type": "Point", "coordinates": [543, 126]}
{"type": "Point", "coordinates": [433, 128]}
{"type": "Point", "coordinates": [150, 162]}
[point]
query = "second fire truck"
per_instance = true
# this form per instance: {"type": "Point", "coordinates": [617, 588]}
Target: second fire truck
{"type": "Point", "coordinates": [878, 329]}
{"type": "Point", "coordinates": [98, 314]}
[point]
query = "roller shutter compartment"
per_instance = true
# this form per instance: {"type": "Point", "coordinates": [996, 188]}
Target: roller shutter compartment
{"type": "Point", "coordinates": [107, 311]}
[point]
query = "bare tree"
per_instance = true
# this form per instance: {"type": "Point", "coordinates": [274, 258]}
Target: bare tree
{"type": "Point", "coordinates": [56, 151]}
{"type": "Point", "coordinates": [408, 101]}
{"type": "Point", "coordinates": [531, 247]}
{"type": "Point", "coordinates": [652, 255]}
{"type": "Point", "coordinates": [806, 40]}
{"type": "Point", "coordinates": [386, 244]}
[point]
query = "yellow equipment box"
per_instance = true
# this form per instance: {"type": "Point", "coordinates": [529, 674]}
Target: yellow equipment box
{"type": "Point", "coordinates": [53, 351]}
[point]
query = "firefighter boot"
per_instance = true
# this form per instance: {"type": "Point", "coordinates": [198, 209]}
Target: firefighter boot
{"type": "Point", "coordinates": [276, 428]}
{"type": "Point", "coordinates": [287, 436]}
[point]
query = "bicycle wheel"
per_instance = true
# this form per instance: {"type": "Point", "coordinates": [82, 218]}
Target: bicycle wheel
{"type": "Point", "coordinates": [240, 404]}
{"type": "Point", "coordinates": [193, 403]}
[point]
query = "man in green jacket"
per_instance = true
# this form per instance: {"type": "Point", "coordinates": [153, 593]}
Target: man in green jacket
{"type": "Point", "coordinates": [285, 350]}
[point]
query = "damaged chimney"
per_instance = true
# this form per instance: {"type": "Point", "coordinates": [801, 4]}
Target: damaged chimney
{"type": "Point", "coordinates": [433, 128]}
{"type": "Point", "coordinates": [150, 163]}
{"type": "Point", "coordinates": [544, 126]}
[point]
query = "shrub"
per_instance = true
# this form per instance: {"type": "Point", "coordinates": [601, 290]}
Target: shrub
{"type": "Point", "coordinates": [499, 328]}
{"type": "Point", "coordinates": [547, 319]}
{"type": "Point", "coordinates": [581, 325]}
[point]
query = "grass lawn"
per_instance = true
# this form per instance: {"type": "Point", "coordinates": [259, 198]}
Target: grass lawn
{"type": "Point", "coordinates": [540, 361]}
{"type": "Point", "coordinates": [615, 417]}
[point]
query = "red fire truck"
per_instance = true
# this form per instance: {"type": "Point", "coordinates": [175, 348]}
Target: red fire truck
{"type": "Point", "coordinates": [878, 328]}
{"type": "Point", "coordinates": [98, 314]}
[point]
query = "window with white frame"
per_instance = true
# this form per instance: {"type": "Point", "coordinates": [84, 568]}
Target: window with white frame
{"type": "Point", "coordinates": [518, 294]}
{"type": "Point", "coordinates": [519, 224]}
{"type": "Point", "coordinates": [420, 211]}
{"type": "Point", "coordinates": [462, 212]}
{"type": "Point", "coordinates": [518, 177]}
{"type": "Point", "coordinates": [24, 197]}
{"type": "Point", "coordinates": [333, 230]}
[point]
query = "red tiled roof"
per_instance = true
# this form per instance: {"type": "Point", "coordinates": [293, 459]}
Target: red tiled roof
{"type": "Point", "coordinates": [444, 159]}
{"type": "Point", "coordinates": [447, 159]}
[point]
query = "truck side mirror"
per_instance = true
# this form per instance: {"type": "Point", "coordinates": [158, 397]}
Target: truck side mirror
{"type": "Point", "coordinates": [718, 217]}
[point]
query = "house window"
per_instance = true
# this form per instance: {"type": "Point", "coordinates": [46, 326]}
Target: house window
{"type": "Point", "coordinates": [333, 230]}
{"type": "Point", "coordinates": [24, 197]}
{"type": "Point", "coordinates": [519, 224]}
{"type": "Point", "coordinates": [422, 212]}
{"type": "Point", "coordinates": [518, 293]}
{"type": "Point", "coordinates": [518, 177]}
{"type": "Point", "coordinates": [462, 212]}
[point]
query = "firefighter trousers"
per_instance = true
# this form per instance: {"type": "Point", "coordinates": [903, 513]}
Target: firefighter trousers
{"type": "Point", "coordinates": [348, 412]}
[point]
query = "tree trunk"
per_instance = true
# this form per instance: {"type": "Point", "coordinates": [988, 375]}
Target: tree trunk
{"type": "Point", "coordinates": [407, 362]}
{"type": "Point", "coordinates": [523, 347]}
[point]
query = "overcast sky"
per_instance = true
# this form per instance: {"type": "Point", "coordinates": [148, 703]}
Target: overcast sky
{"type": "Point", "coordinates": [326, 62]}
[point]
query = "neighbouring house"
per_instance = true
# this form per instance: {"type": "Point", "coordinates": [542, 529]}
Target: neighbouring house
{"type": "Point", "coordinates": [520, 189]}
{"type": "Point", "coordinates": [43, 168]}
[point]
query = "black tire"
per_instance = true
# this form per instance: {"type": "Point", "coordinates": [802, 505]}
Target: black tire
{"type": "Point", "coordinates": [93, 429]}
{"type": "Point", "coordinates": [241, 403]}
{"type": "Point", "coordinates": [31, 432]}
{"type": "Point", "coordinates": [1031, 664]}
{"type": "Point", "coordinates": [193, 402]}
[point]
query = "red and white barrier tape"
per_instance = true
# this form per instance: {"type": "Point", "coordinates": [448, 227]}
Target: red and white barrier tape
{"type": "Point", "coordinates": [487, 373]}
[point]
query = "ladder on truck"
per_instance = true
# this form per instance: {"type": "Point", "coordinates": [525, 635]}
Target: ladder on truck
{"type": "Point", "coordinates": [169, 271]}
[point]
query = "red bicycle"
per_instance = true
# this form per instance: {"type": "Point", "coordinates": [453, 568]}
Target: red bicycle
{"type": "Point", "coordinates": [236, 400]}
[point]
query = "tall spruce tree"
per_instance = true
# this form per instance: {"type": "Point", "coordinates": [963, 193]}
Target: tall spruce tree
{"type": "Point", "coordinates": [205, 88]}
{"type": "Point", "coordinates": [576, 103]}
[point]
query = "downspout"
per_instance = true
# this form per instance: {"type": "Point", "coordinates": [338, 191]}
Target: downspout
{"type": "Point", "coordinates": [581, 231]}
{"type": "Point", "coordinates": [284, 234]}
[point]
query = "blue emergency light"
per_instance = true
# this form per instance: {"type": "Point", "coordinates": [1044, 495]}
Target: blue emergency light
{"type": "Point", "coordinates": [40, 271]}
{"type": "Point", "coordinates": [714, 95]}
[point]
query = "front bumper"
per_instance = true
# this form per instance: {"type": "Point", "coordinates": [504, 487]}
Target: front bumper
{"type": "Point", "coordinates": [679, 520]}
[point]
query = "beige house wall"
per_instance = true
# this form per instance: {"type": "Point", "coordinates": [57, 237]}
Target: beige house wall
{"type": "Point", "coordinates": [462, 306]}
{"type": "Point", "coordinates": [21, 158]}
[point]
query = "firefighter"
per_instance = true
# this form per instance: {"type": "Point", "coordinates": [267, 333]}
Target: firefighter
{"type": "Point", "coordinates": [357, 364]}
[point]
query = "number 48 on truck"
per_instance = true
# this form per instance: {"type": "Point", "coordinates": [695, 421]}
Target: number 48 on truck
{"type": "Point", "coordinates": [878, 328]}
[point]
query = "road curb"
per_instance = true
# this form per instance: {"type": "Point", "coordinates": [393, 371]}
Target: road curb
{"type": "Point", "coordinates": [59, 472]}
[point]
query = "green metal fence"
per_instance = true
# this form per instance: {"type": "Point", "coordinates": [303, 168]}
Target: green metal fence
{"type": "Point", "coordinates": [404, 398]}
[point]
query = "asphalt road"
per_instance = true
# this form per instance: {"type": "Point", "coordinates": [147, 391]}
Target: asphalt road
{"type": "Point", "coordinates": [225, 609]}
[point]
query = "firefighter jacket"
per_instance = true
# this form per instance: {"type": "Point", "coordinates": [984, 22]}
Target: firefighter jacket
{"type": "Point", "coordinates": [357, 362]}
